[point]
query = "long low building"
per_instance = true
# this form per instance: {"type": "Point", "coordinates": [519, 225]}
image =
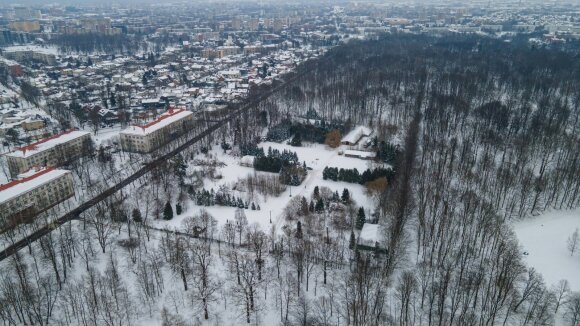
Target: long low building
{"type": "Point", "coordinates": [32, 193]}
{"type": "Point", "coordinates": [148, 137]}
{"type": "Point", "coordinates": [52, 151]}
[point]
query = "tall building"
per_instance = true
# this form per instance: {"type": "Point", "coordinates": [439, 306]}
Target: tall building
{"type": "Point", "coordinates": [33, 193]}
{"type": "Point", "coordinates": [26, 13]}
{"type": "Point", "coordinates": [25, 53]}
{"type": "Point", "coordinates": [146, 138]}
{"type": "Point", "coordinates": [6, 37]}
{"type": "Point", "coordinates": [52, 151]}
{"type": "Point", "coordinates": [25, 26]}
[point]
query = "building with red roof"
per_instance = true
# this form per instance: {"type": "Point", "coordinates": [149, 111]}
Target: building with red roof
{"type": "Point", "coordinates": [52, 151]}
{"type": "Point", "coordinates": [150, 136]}
{"type": "Point", "coordinates": [32, 193]}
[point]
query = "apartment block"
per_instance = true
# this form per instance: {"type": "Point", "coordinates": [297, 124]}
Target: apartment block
{"type": "Point", "coordinates": [148, 137]}
{"type": "Point", "coordinates": [52, 151]}
{"type": "Point", "coordinates": [24, 53]}
{"type": "Point", "coordinates": [25, 26]}
{"type": "Point", "coordinates": [32, 193]}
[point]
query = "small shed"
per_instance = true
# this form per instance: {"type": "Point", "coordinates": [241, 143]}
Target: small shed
{"type": "Point", "coordinates": [363, 155]}
{"type": "Point", "coordinates": [372, 236]}
{"type": "Point", "coordinates": [247, 161]}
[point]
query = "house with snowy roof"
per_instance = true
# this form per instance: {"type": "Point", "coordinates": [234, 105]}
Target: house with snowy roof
{"type": "Point", "coordinates": [353, 137]}
{"type": "Point", "coordinates": [371, 237]}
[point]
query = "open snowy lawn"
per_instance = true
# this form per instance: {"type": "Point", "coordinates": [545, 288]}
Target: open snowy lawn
{"type": "Point", "coordinates": [545, 239]}
{"type": "Point", "coordinates": [316, 157]}
{"type": "Point", "coordinates": [104, 134]}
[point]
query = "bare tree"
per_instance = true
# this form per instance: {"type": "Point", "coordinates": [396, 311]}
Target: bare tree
{"type": "Point", "coordinates": [561, 291]}
{"type": "Point", "coordinates": [572, 312]}
{"type": "Point", "coordinates": [573, 242]}
{"type": "Point", "coordinates": [204, 284]}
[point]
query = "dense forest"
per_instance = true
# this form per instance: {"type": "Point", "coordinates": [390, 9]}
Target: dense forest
{"type": "Point", "coordinates": [488, 133]}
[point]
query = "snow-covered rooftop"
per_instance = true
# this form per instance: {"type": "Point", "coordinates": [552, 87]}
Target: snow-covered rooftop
{"type": "Point", "coordinates": [162, 121]}
{"type": "Point", "coordinates": [28, 181]}
{"type": "Point", "coordinates": [361, 154]}
{"type": "Point", "coordinates": [47, 143]}
{"type": "Point", "coordinates": [354, 135]}
{"type": "Point", "coordinates": [34, 48]}
{"type": "Point", "coordinates": [370, 234]}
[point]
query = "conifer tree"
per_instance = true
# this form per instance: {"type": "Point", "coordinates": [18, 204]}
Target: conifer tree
{"type": "Point", "coordinates": [299, 230]}
{"type": "Point", "coordinates": [319, 206]}
{"type": "Point", "coordinates": [361, 218]}
{"type": "Point", "coordinates": [168, 212]}
{"type": "Point", "coordinates": [137, 215]}
{"type": "Point", "coordinates": [352, 240]}
{"type": "Point", "coordinates": [345, 196]}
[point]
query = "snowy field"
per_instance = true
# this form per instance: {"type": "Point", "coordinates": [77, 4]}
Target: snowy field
{"type": "Point", "coordinates": [544, 238]}
{"type": "Point", "coordinates": [316, 156]}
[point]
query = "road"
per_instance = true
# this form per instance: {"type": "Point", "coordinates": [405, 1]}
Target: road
{"type": "Point", "coordinates": [75, 213]}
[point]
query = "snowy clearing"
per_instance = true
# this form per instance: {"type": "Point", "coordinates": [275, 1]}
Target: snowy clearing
{"type": "Point", "coordinates": [316, 156]}
{"type": "Point", "coordinates": [544, 238]}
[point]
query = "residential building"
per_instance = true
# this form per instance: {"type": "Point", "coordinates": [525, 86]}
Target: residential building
{"type": "Point", "coordinates": [148, 137]}
{"type": "Point", "coordinates": [33, 193]}
{"type": "Point", "coordinates": [13, 67]}
{"type": "Point", "coordinates": [25, 53]}
{"type": "Point", "coordinates": [52, 151]}
{"type": "Point", "coordinates": [224, 51]}
{"type": "Point", "coordinates": [25, 26]}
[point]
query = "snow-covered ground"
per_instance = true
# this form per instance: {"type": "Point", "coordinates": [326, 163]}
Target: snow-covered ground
{"type": "Point", "coordinates": [544, 238]}
{"type": "Point", "coordinates": [316, 156]}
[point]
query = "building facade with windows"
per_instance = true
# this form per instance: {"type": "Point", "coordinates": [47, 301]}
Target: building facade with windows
{"type": "Point", "coordinates": [148, 137]}
{"type": "Point", "coordinates": [32, 193]}
{"type": "Point", "coordinates": [52, 151]}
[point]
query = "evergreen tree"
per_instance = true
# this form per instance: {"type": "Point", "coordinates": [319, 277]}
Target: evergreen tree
{"type": "Point", "coordinates": [178, 209]}
{"type": "Point", "coordinates": [303, 206]}
{"type": "Point", "coordinates": [296, 140]}
{"type": "Point", "coordinates": [299, 230]}
{"type": "Point", "coordinates": [137, 215]}
{"type": "Point", "coordinates": [112, 100]}
{"type": "Point", "coordinates": [253, 206]}
{"type": "Point", "coordinates": [316, 192]}
{"type": "Point", "coordinates": [361, 219]}
{"type": "Point", "coordinates": [311, 207]}
{"type": "Point", "coordinates": [168, 212]}
{"type": "Point", "coordinates": [319, 206]}
{"type": "Point", "coordinates": [352, 240]}
{"type": "Point", "coordinates": [345, 196]}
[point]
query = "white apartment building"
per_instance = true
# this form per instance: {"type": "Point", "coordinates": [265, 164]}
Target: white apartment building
{"type": "Point", "coordinates": [51, 151]}
{"type": "Point", "coordinates": [146, 138]}
{"type": "Point", "coordinates": [32, 193]}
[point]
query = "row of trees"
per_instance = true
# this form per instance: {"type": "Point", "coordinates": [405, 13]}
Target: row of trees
{"type": "Point", "coordinates": [353, 176]}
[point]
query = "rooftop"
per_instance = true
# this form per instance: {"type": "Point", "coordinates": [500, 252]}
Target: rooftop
{"type": "Point", "coordinates": [355, 135]}
{"type": "Point", "coordinates": [162, 121]}
{"type": "Point", "coordinates": [28, 181]}
{"type": "Point", "coordinates": [47, 143]}
{"type": "Point", "coordinates": [370, 234]}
